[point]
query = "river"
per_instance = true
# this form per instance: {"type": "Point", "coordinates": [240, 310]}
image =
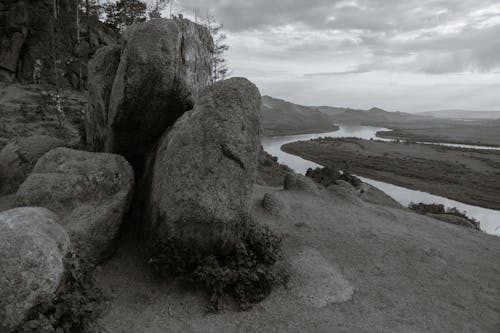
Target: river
{"type": "Point", "coordinates": [489, 218]}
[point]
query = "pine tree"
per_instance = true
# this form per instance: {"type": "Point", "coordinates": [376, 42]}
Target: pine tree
{"type": "Point", "coordinates": [219, 66]}
{"type": "Point", "coordinates": [157, 7]}
{"type": "Point", "coordinates": [123, 13]}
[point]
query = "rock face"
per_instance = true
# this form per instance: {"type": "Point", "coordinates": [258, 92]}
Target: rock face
{"type": "Point", "coordinates": [205, 168]}
{"type": "Point", "coordinates": [19, 156]}
{"type": "Point", "coordinates": [14, 18]}
{"type": "Point", "coordinates": [101, 73]}
{"type": "Point", "coordinates": [91, 192]}
{"type": "Point", "coordinates": [32, 248]}
{"type": "Point", "coordinates": [26, 32]}
{"type": "Point", "coordinates": [164, 64]}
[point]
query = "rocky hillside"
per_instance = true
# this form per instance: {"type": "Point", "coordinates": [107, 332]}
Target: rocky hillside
{"type": "Point", "coordinates": [195, 149]}
{"type": "Point", "coordinates": [31, 110]}
{"type": "Point", "coordinates": [284, 118]}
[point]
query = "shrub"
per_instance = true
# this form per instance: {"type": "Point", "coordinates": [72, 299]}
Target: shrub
{"type": "Point", "coordinates": [422, 208]}
{"type": "Point", "coordinates": [246, 275]}
{"type": "Point", "coordinates": [329, 175]}
{"type": "Point", "coordinates": [74, 309]}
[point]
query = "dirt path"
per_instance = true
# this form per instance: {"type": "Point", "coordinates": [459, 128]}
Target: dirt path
{"type": "Point", "coordinates": [357, 267]}
{"type": "Point", "coordinates": [465, 175]}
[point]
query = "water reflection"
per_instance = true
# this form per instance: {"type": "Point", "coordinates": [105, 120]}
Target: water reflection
{"type": "Point", "coordinates": [490, 219]}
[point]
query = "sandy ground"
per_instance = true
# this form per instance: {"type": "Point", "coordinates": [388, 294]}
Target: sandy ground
{"type": "Point", "coordinates": [469, 176]}
{"type": "Point", "coordinates": [356, 267]}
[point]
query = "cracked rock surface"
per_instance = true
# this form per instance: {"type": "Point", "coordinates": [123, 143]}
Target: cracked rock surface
{"type": "Point", "coordinates": [205, 168]}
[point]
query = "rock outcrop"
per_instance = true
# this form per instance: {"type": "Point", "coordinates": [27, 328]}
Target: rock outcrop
{"type": "Point", "coordinates": [14, 18]}
{"type": "Point", "coordinates": [163, 66]}
{"type": "Point", "coordinates": [19, 156]}
{"type": "Point", "coordinates": [91, 193]}
{"type": "Point", "coordinates": [26, 30]}
{"type": "Point", "coordinates": [32, 248]}
{"type": "Point", "coordinates": [101, 73]}
{"type": "Point", "coordinates": [205, 168]}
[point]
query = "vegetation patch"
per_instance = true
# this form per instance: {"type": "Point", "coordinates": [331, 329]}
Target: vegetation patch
{"type": "Point", "coordinates": [329, 176]}
{"type": "Point", "coordinates": [438, 209]}
{"type": "Point", "coordinates": [75, 308]}
{"type": "Point", "coordinates": [247, 275]}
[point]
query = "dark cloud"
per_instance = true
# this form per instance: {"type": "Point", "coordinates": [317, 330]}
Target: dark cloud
{"type": "Point", "coordinates": [442, 35]}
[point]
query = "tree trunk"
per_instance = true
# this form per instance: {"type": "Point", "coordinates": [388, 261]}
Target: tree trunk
{"type": "Point", "coordinates": [54, 6]}
{"type": "Point", "coordinates": [78, 43]}
{"type": "Point", "coordinates": [87, 9]}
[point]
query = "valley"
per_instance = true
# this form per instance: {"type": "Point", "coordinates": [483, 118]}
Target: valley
{"type": "Point", "coordinates": [470, 176]}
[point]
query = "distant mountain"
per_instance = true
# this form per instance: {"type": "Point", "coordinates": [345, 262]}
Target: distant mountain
{"type": "Point", "coordinates": [462, 114]}
{"type": "Point", "coordinates": [374, 116]}
{"type": "Point", "coordinates": [282, 118]}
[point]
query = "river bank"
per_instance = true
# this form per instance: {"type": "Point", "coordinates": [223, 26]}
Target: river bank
{"type": "Point", "coordinates": [297, 131]}
{"type": "Point", "coordinates": [465, 175]}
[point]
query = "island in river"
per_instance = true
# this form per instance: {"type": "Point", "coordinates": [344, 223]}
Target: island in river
{"type": "Point", "coordinates": [466, 175]}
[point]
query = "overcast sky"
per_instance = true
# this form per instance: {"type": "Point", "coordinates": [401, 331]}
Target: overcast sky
{"type": "Point", "coordinates": [407, 55]}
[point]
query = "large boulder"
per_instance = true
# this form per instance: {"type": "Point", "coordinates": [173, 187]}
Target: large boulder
{"type": "Point", "coordinates": [205, 169]}
{"type": "Point", "coordinates": [91, 192]}
{"type": "Point", "coordinates": [101, 75]}
{"type": "Point", "coordinates": [164, 65]}
{"type": "Point", "coordinates": [32, 248]}
{"type": "Point", "coordinates": [19, 156]}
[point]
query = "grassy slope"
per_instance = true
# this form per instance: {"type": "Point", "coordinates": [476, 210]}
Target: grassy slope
{"type": "Point", "coordinates": [356, 267]}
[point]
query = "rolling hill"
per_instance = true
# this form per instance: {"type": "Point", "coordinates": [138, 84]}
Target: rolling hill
{"type": "Point", "coordinates": [285, 118]}
{"type": "Point", "coordinates": [373, 116]}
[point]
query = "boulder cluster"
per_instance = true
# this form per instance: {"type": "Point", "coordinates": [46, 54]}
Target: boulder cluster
{"type": "Point", "coordinates": [154, 119]}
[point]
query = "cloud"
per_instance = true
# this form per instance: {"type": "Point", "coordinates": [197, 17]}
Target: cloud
{"type": "Point", "coordinates": [289, 44]}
